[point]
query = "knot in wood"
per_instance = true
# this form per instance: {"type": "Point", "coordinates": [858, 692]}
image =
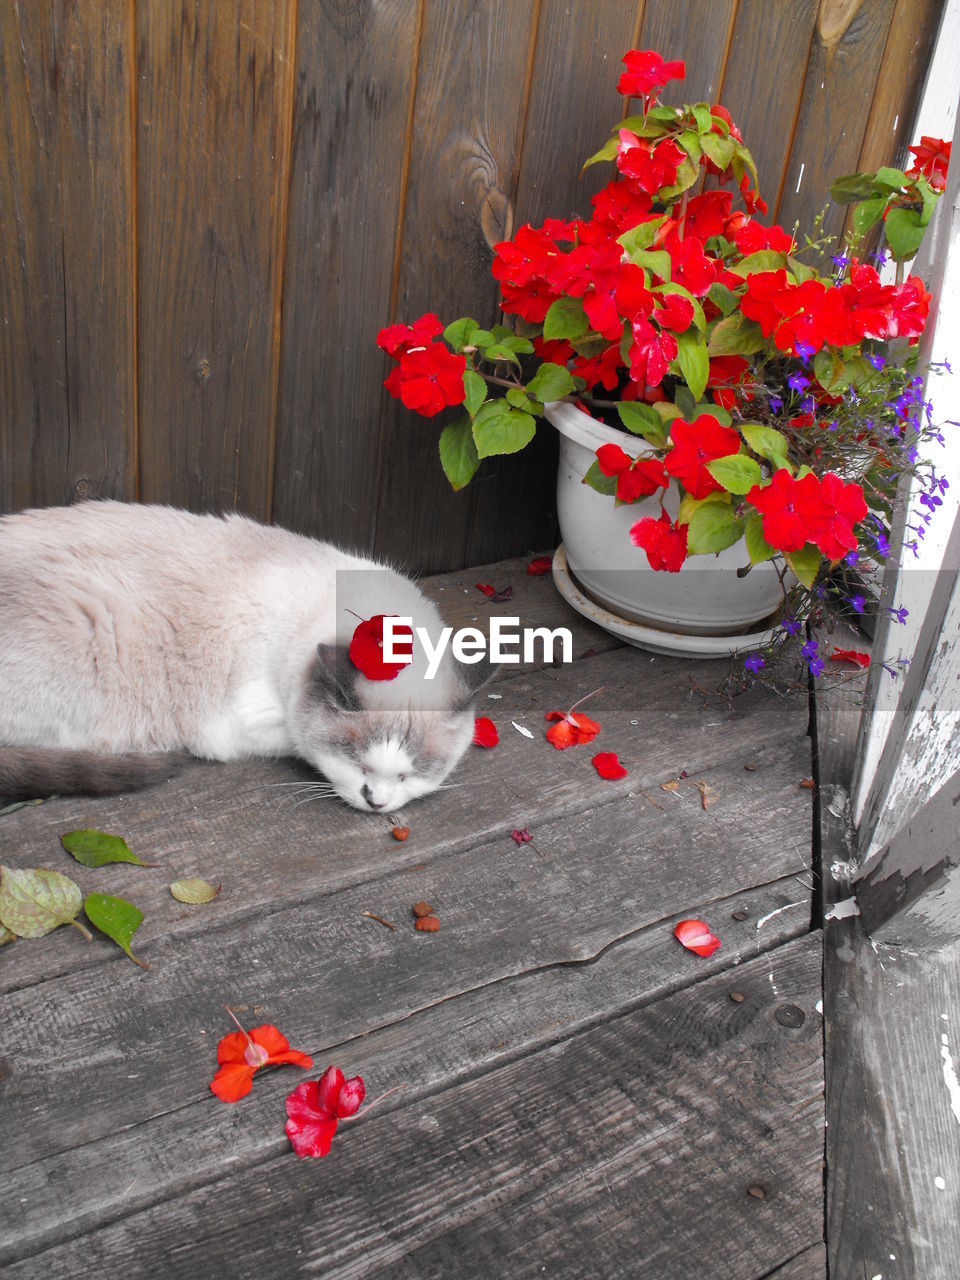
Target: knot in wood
{"type": "Point", "coordinates": [202, 370]}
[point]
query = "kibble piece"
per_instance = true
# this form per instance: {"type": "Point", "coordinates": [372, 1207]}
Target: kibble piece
{"type": "Point", "coordinates": [428, 924]}
{"type": "Point", "coordinates": [400, 833]}
{"type": "Point", "coordinates": [422, 909]}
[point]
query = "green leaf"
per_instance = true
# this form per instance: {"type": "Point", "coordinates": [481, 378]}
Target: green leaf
{"type": "Point", "coordinates": [512, 341]}
{"type": "Point", "coordinates": [723, 297]}
{"type": "Point", "coordinates": [641, 236]}
{"type": "Point", "coordinates": [892, 179]}
{"type": "Point", "coordinates": [498, 428]}
{"type": "Point", "coordinates": [762, 260]}
{"type": "Point", "coordinates": [500, 351]}
{"type": "Point", "coordinates": [32, 902]}
{"type": "Point", "coordinates": [458, 453]}
{"type": "Point", "coordinates": [715, 411]}
{"type": "Point", "coordinates": [853, 186]}
{"type": "Point", "coordinates": [97, 849]}
{"type": "Point", "coordinates": [737, 472]}
{"type": "Point", "coordinates": [565, 319]}
{"type": "Point", "coordinates": [690, 142]}
{"type": "Point", "coordinates": [667, 411]}
{"type": "Point", "coordinates": [482, 339]}
{"type": "Point", "coordinates": [193, 891]}
{"type": "Point", "coordinates": [687, 175]}
{"type": "Point", "coordinates": [607, 152]}
{"type": "Point", "coordinates": [768, 443]}
{"type": "Point", "coordinates": [476, 391]}
{"type": "Point", "coordinates": [719, 150]}
{"type": "Point", "coordinates": [805, 563]}
{"type": "Point", "coordinates": [799, 270]}
{"type": "Point", "coordinates": [828, 367]}
{"type": "Point", "coordinates": [656, 261]}
{"type": "Point", "coordinates": [686, 404]}
{"type": "Point", "coordinates": [117, 918]}
{"type": "Point", "coordinates": [694, 362]}
{"type": "Point", "coordinates": [735, 335]}
{"type": "Point", "coordinates": [758, 549]}
{"type": "Point", "coordinates": [607, 485]}
{"type": "Point", "coordinates": [713, 527]}
{"type": "Point", "coordinates": [743, 160]}
{"type": "Point", "coordinates": [904, 231]}
{"type": "Point", "coordinates": [643, 420]}
{"type": "Point", "coordinates": [701, 113]}
{"type": "Point", "coordinates": [551, 382]}
{"type": "Point", "coordinates": [867, 214]}
{"type": "Point", "coordinates": [460, 333]}
{"type": "Point", "coordinates": [6, 935]}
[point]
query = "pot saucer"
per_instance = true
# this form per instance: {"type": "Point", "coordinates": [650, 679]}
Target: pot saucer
{"type": "Point", "coordinates": [673, 643]}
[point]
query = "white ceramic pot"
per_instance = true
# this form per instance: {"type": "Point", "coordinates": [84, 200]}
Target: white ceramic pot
{"type": "Point", "coordinates": [706, 598]}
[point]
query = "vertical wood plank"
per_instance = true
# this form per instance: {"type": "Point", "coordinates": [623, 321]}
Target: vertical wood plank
{"type": "Point", "coordinates": [696, 32]}
{"type": "Point", "coordinates": [466, 133]}
{"type": "Point", "coordinates": [67, 398]}
{"type": "Point", "coordinates": [213, 157]}
{"type": "Point", "coordinates": [353, 85]}
{"type": "Point", "coordinates": [764, 79]}
{"type": "Point", "coordinates": [845, 58]}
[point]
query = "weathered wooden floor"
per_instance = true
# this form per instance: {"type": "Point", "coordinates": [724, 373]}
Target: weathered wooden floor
{"type": "Point", "coordinates": [582, 1097]}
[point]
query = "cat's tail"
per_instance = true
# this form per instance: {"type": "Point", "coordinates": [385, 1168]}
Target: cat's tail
{"type": "Point", "coordinates": [33, 773]}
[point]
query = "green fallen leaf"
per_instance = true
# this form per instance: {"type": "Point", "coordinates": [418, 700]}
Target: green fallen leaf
{"type": "Point", "coordinates": [33, 902]}
{"type": "Point", "coordinates": [97, 849]}
{"type": "Point", "coordinates": [117, 918]}
{"type": "Point", "coordinates": [194, 891]}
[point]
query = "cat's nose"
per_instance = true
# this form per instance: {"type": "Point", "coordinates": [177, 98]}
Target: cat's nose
{"type": "Point", "coordinates": [368, 796]}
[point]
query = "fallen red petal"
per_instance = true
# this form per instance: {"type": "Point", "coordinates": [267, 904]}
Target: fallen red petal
{"type": "Point", "coordinates": [608, 766]}
{"type": "Point", "coordinates": [485, 732]}
{"type": "Point", "coordinates": [521, 837]}
{"type": "Point", "coordinates": [310, 1126]}
{"type": "Point", "coordinates": [861, 660]}
{"type": "Point", "coordinates": [542, 564]}
{"type": "Point", "coordinates": [486, 588]}
{"type": "Point", "coordinates": [696, 936]}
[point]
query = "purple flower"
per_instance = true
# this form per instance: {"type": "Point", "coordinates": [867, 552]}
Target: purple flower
{"type": "Point", "coordinates": [754, 663]}
{"type": "Point", "coordinates": [857, 603]}
{"type": "Point", "coordinates": [809, 650]}
{"type": "Point", "coordinates": [882, 545]}
{"type": "Point", "coordinates": [797, 382]}
{"type": "Point", "coordinates": [804, 350]}
{"type": "Point", "coordinates": [852, 558]}
{"type": "Point", "coordinates": [899, 615]}
{"type": "Point", "coordinates": [776, 404]}
{"type": "Point", "coordinates": [840, 261]}
{"type": "Point", "coordinates": [791, 626]}
{"type": "Point", "coordinates": [815, 667]}
{"type": "Point", "coordinates": [878, 362]}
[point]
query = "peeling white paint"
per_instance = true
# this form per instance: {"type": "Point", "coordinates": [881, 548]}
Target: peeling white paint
{"type": "Point", "coordinates": [522, 728]}
{"type": "Point", "coordinates": [939, 1183]}
{"type": "Point", "coordinates": [950, 1077]}
{"type": "Point", "coordinates": [770, 914]}
{"type": "Point", "coordinates": [819, 1007]}
{"type": "Point", "coordinates": [800, 179]}
{"type": "Point", "coordinates": [844, 871]}
{"type": "Point", "coordinates": [843, 910]}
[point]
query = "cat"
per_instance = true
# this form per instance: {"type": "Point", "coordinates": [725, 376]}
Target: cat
{"type": "Point", "coordinates": [128, 632]}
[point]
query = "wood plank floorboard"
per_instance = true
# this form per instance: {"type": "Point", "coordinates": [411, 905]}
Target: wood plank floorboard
{"type": "Point", "coordinates": [625, 1150]}
{"type": "Point", "coordinates": [581, 1096]}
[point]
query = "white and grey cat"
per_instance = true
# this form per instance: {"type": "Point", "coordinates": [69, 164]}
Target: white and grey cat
{"type": "Point", "coordinates": [127, 631]}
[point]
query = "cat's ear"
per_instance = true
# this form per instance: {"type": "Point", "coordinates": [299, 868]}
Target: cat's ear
{"type": "Point", "coordinates": [474, 676]}
{"type": "Point", "coordinates": [333, 676]}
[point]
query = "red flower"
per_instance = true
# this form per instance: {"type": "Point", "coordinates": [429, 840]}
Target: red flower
{"type": "Point", "coordinates": [696, 936]}
{"type": "Point", "coordinates": [792, 510]}
{"type": "Point", "coordinates": [911, 303]}
{"type": "Point", "coordinates": [861, 660]}
{"type": "Point", "coordinates": [651, 353]}
{"type": "Point", "coordinates": [553, 350]}
{"type": "Point", "coordinates": [636, 477]}
{"type": "Point", "coordinates": [646, 72]}
{"type": "Point", "coordinates": [651, 165]}
{"type": "Point", "coordinates": [707, 214]}
{"type": "Point", "coordinates": [759, 302]}
{"type": "Point", "coordinates": [241, 1055]}
{"type": "Point", "coordinates": [752, 236]}
{"type": "Point", "coordinates": [692, 268]}
{"type": "Point", "coordinates": [845, 506]}
{"type": "Point", "coordinates": [664, 542]}
{"type": "Point", "coordinates": [485, 732]}
{"type": "Point", "coordinates": [932, 159]}
{"type": "Point", "coordinates": [428, 379]}
{"type": "Point", "coordinates": [520, 837]}
{"type": "Point", "coordinates": [540, 565]}
{"type": "Point", "coordinates": [694, 445]}
{"type": "Point", "coordinates": [366, 648]}
{"type": "Point", "coordinates": [571, 730]}
{"type": "Point", "coordinates": [675, 312]}
{"type": "Point", "coordinates": [399, 338]}
{"type": "Point", "coordinates": [608, 766]}
{"type": "Point", "coordinates": [618, 207]}
{"type": "Point", "coordinates": [726, 378]}
{"type": "Point", "coordinates": [315, 1107]}
{"type": "Point", "coordinates": [488, 590]}
{"type": "Point", "coordinates": [604, 368]}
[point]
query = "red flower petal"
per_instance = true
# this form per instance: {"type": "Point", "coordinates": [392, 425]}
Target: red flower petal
{"type": "Point", "coordinates": [329, 1086]}
{"type": "Point", "coordinates": [521, 837]}
{"type": "Point", "coordinates": [351, 1097]}
{"type": "Point", "coordinates": [608, 766]}
{"type": "Point", "coordinates": [233, 1081]}
{"type": "Point", "coordinates": [486, 588]}
{"type": "Point", "coordinates": [310, 1126]}
{"type": "Point", "coordinates": [366, 648]}
{"type": "Point", "coordinates": [696, 936]}
{"type": "Point", "coordinates": [485, 732]}
{"type": "Point", "coordinates": [232, 1048]}
{"type": "Point", "coordinates": [571, 729]}
{"type": "Point", "coordinates": [542, 564]}
{"type": "Point", "coordinates": [861, 660]}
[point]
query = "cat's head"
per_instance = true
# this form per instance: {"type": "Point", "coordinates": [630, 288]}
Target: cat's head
{"type": "Point", "coordinates": [381, 744]}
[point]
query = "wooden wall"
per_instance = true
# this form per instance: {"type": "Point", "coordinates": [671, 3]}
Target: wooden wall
{"type": "Point", "coordinates": [208, 208]}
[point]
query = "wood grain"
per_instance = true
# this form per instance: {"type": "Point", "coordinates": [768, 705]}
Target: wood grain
{"type": "Point", "coordinates": [478, 1029]}
{"type": "Point", "coordinates": [213, 174]}
{"type": "Point", "coordinates": [544, 1161]}
{"type": "Point", "coordinates": [842, 71]}
{"type": "Point", "coordinates": [353, 90]}
{"type": "Point", "coordinates": [696, 32]}
{"type": "Point", "coordinates": [467, 131]}
{"type": "Point", "coordinates": [67, 252]}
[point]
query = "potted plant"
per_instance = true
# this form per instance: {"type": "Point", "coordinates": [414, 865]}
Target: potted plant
{"type": "Point", "coordinates": [727, 399]}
